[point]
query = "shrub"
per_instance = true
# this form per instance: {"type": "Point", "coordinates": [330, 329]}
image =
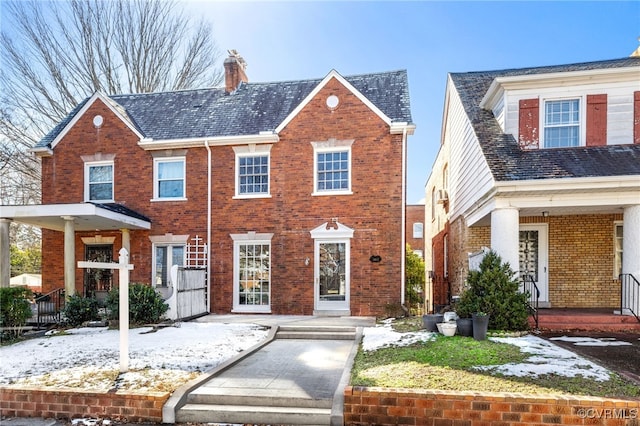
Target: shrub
{"type": "Point", "coordinates": [414, 281]}
{"type": "Point", "coordinates": [145, 304]}
{"type": "Point", "coordinates": [15, 308]}
{"type": "Point", "coordinates": [78, 309]}
{"type": "Point", "coordinates": [493, 289]}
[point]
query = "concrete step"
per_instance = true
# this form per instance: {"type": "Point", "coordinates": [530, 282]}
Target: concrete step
{"type": "Point", "coordinates": [242, 414]}
{"type": "Point", "coordinates": [318, 333]}
{"type": "Point", "coordinates": [254, 397]}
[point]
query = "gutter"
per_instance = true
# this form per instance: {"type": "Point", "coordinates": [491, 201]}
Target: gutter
{"type": "Point", "coordinates": [209, 199]}
{"type": "Point", "coordinates": [403, 241]}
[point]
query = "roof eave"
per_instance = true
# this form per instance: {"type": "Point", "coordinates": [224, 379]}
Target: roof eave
{"type": "Point", "coordinates": [149, 144]}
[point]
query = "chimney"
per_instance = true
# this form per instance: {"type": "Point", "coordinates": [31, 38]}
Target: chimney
{"type": "Point", "coordinates": [234, 67]}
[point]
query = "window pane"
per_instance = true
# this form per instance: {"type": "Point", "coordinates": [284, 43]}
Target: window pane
{"type": "Point", "coordinates": [170, 189]}
{"type": "Point", "coordinates": [253, 175]}
{"type": "Point", "coordinates": [254, 274]}
{"type": "Point", "coordinates": [333, 171]}
{"type": "Point", "coordinates": [100, 191]}
{"type": "Point", "coordinates": [171, 170]}
{"type": "Point", "coordinates": [161, 264]}
{"type": "Point", "coordinates": [562, 123]}
{"type": "Point", "coordinates": [100, 173]}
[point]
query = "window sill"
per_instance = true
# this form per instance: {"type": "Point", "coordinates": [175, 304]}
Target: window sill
{"type": "Point", "coordinates": [99, 201]}
{"type": "Point", "coordinates": [248, 310]}
{"type": "Point", "coordinates": [154, 200]}
{"type": "Point", "coordinates": [329, 193]}
{"type": "Point", "coordinates": [250, 197]}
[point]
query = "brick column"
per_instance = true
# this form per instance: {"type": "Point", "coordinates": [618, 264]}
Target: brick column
{"type": "Point", "coordinates": [505, 236]}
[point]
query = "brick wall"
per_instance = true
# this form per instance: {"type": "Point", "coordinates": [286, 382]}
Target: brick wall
{"type": "Point", "coordinates": [415, 214]}
{"type": "Point", "coordinates": [69, 404]}
{"type": "Point", "coordinates": [382, 406]}
{"type": "Point", "coordinates": [374, 210]}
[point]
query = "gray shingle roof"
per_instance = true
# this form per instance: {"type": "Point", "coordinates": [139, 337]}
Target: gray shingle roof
{"type": "Point", "coordinates": [506, 160]}
{"type": "Point", "coordinates": [252, 108]}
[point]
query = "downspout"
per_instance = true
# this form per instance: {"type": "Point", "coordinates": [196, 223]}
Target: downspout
{"type": "Point", "coordinates": [404, 214]}
{"type": "Point", "coordinates": [209, 196]}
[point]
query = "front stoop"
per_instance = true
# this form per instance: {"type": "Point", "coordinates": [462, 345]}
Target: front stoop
{"type": "Point", "coordinates": [586, 320]}
{"type": "Point", "coordinates": [217, 401]}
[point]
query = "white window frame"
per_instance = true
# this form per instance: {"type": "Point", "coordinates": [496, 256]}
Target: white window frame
{"type": "Point", "coordinates": [332, 145]}
{"type": "Point", "coordinates": [87, 193]}
{"type": "Point", "coordinates": [252, 151]}
{"type": "Point", "coordinates": [582, 128]}
{"type": "Point", "coordinates": [156, 182]}
{"type": "Point", "coordinates": [617, 249]}
{"type": "Point", "coordinates": [418, 230]}
{"type": "Point", "coordinates": [246, 239]}
{"type": "Point", "coordinates": [170, 241]}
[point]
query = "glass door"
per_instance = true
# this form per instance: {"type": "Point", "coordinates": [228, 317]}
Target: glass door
{"type": "Point", "coordinates": [332, 275]}
{"type": "Point", "coordinates": [533, 258]}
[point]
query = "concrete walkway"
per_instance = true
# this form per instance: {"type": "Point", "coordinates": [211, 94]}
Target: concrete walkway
{"type": "Point", "coordinates": [297, 376]}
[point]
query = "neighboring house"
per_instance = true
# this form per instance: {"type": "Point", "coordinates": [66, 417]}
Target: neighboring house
{"type": "Point", "coordinates": [293, 191]}
{"type": "Point", "coordinates": [415, 228]}
{"type": "Point", "coordinates": [32, 281]}
{"type": "Point", "coordinates": [542, 165]}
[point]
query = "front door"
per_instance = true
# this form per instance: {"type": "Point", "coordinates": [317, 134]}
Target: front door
{"type": "Point", "coordinates": [332, 275]}
{"type": "Point", "coordinates": [98, 282]}
{"type": "Point", "coordinates": [534, 258]}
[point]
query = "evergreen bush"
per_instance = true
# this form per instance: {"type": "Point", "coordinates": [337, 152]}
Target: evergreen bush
{"type": "Point", "coordinates": [145, 304]}
{"type": "Point", "coordinates": [494, 290]}
{"type": "Point", "coordinates": [78, 309]}
{"type": "Point", "coordinates": [15, 308]}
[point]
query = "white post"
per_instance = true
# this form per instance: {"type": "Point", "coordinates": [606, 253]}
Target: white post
{"type": "Point", "coordinates": [69, 256]}
{"type": "Point", "coordinates": [5, 262]}
{"type": "Point", "coordinates": [124, 310]}
{"type": "Point", "coordinates": [505, 236]}
{"type": "Point", "coordinates": [631, 253]}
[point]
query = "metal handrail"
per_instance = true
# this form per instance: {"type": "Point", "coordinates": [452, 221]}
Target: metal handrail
{"type": "Point", "coordinates": [629, 293]}
{"type": "Point", "coordinates": [49, 307]}
{"type": "Point", "coordinates": [529, 286]}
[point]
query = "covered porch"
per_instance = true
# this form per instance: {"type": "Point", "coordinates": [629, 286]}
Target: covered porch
{"type": "Point", "coordinates": [69, 219]}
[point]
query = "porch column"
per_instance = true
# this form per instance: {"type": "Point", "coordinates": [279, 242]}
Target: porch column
{"type": "Point", "coordinates": [126, 239]}
{"type": "Point", "coordinates": [631, 249]}
{"type": "Point", "coordinates": [5, 257]}
{"type": "Point", "coordinates": [505, 236]}
{"type": "Point", "coordinates": [69, 256]}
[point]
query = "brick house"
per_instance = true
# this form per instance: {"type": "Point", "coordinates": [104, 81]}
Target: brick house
{"type": "Point", "coordinates": [295, 191]}
{"type": "Point", "coordinates": [414, 235]}
{"type": "Point", "coordinates": [542, 165]}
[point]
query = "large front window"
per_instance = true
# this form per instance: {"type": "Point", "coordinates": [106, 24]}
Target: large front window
{"type": "Point", "coordinates": [252, 272]}
{"type": "Point", "coordinates": [99, 181]}
{"type": "Point", "coordinates": [562, 123]}
{"type": "Point", "coordinates": [169, 178]}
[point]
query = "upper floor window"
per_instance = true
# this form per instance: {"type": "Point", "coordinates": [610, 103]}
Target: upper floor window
{"type": "Point", "coordinates": [252, 171]}
{"type": "Point", "coordinates": [562, 123]}
{"type": "Point", "coordinates": [169, 178]}
{"type": "Point", "coordinates": [417, 230]}
{"type": "Point", "coordinates": [98, 181]}
{"type": "Point", "coordinates": [332, 167]}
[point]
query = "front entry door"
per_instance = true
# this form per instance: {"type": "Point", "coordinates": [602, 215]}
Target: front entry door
{"type": "Point", "coordinates": [534, 258]}
{"type": "Point", "coordinates": [332, 275]}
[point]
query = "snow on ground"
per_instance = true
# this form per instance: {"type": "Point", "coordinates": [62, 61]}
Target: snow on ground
{"type": "Point", "coordinates": [546, 357]}
{"type": "Point", "coordinates": [158, 360]}
{"type": "Point", "coordinates": [590, 341]}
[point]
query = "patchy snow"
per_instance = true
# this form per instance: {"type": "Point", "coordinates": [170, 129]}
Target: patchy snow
{"type": "Point", "coordinates": [590, 341]}
{"type": "Point", "coordinates": [158, 360]}
{"type": "Point", "coordinates": [382, 335]}
{"type": "Point", "coordinates": [547, 358]}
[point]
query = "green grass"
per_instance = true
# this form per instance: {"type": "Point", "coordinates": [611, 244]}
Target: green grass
{"type": "Point", "coordinates": [446, 363]}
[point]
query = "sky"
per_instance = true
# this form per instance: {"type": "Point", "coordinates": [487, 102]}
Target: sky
{"type": "Point", "coordinates": [303, 39]}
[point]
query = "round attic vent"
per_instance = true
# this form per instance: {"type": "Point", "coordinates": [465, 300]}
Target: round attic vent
{"type": "Point", "coordinates": [98, 120]}
{"type": "Point", "coordinates": [332, 102]}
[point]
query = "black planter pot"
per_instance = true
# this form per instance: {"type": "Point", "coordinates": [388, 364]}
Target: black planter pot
{"type": "Point", "coordinates": [429, 321]}
{"type": "Point", "coordinates": [480, 326]}
{"type": "Point", "coordinates": [465, 327]}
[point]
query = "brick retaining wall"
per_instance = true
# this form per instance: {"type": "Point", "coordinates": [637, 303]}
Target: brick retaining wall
{"type": "Point", "coordinates": [383, 406]}
{"type": "Point", "coordinates": [69, 404]}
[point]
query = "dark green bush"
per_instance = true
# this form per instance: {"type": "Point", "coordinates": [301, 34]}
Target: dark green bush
{"type": "Point", "coordinates": [15, 308]}
{"type": "Point", "coordinates": [78, 309]}
{"type": "Point", "coordinates": [494, 290]}
{"type": "Point", "coordinates": [145, 304]}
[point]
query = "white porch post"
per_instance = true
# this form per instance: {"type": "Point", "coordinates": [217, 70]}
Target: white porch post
{"type": "Point", "coordinates": [631, 250]}
{"type": "Point", "coordinates": [126, 239]}
{"type": "Point", "coordinates": [505, 236]}
{"type": "Point", "coordinates": [69, 256]}
{"type": "Point", "coordinates": [5, 258]}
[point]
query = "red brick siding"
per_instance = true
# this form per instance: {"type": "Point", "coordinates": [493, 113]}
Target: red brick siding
{"type": "Point", "coordinates": [636, 117]}
{"type": "Point", "coordinates": [132, 407]}
{"type": "Point", "coordinates": [415, 214]}
{"type": "Point", "coordinates": [382, 406]}
{"type": "Point", "coordinates": [529, 119]}
{"type": "Point", "coordinates": [596, 120]}
{"type": "Point", "coordinates": [374, 210]}
{"type": "Point", "coordinates": [440, 278]}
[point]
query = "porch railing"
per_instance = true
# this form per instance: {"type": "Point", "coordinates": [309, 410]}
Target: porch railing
{"type": "Point", "coordinates": [530, 287]}
{"type": "Point", "coordinates": [49, 307]}
{"type": "Point", "coordinates": [630, 295]}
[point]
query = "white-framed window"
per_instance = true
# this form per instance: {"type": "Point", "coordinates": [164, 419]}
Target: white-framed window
{"type": "Point", "coordinates": [418, 230]}
{"type": "Point", "coordinates": [332, 167]}
{"type": "Point", "coordinates": [251, 272]}
{"type": "Point", "coordinates": [98, 178]}
{"type": "Point", "coordinates": [617, 249]}
{"type": "Point", "coordinates": [419, 253]}
{"type": "Point", "coordinates": [168, 250]}
{"type": "Point", "coordinates": [253, 171]}
{"type": "Point", "coordinates": [169, 178]}
{"type": "Point", "coordinates": [562, 120]}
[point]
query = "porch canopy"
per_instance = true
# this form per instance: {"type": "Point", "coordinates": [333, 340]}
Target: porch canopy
{"type": "Point", "coordinates": [67, 218]}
